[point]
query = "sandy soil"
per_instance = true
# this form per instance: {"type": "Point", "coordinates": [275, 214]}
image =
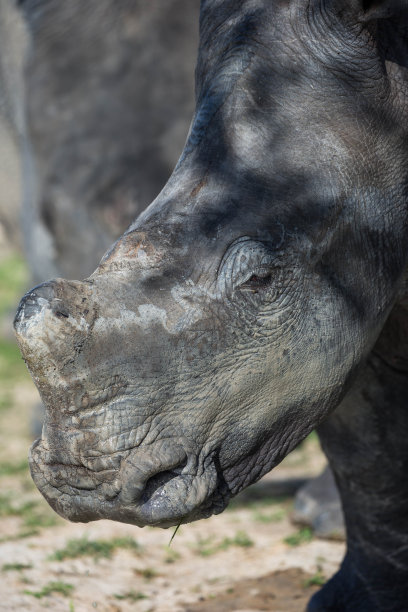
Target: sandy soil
{"type": "Point", "coordinates": [236, 561]}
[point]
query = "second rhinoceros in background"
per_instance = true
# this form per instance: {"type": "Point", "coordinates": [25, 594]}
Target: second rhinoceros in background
{"type": "Point", "coordinates": [109, 89]}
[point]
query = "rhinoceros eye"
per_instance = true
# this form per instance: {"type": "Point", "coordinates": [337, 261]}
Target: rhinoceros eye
{"type": "Point", "coordinates": [249, 267]}
{"type": "Point", "coordinates": [258, 281]}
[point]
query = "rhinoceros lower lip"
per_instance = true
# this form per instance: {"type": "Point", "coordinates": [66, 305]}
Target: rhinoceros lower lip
{"type": "Point", "coordinates": [169, 498]}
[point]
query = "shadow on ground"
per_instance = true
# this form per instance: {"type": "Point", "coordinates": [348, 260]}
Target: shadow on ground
{"type": "Point", "coordinates": [286, 591]}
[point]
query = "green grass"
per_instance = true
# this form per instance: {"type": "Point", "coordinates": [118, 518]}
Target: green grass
{"type": "Point", "coordinates": [131, 596]}
{"type": "Point", "coordinates": [206, 547]}
{"type": "Point", "coordinates": [34, 515]}
{"type": "Point", "coordinates": [17, 567]}
{"type": "Point", "coordinates": [240, 539]}
{"type": "Point", "coordinates": [9, 508]}
{"type": "Point", "coordinates": [26, 533]}
{"type": "Point", "coordinates": [274, 517]}
{"type": "Point", "coordinates": [11, 469]}
{"type": "Point", "coordinates": [39, 520]}
{"type": "Point", "coordinates": [147, 573]}
{"type": "Point", "coordinates": [300, 537]}
{"type": "Point", "coordinates": [5, 401]}
{"type": "Point", "coordinates": [171, 555]}
{"type": "Point", "coordinates": [52, 587]}
{"type": "Point", "coordinates": [12, 366]}
{"type": "Point", "coordinates": [97, 549]}
{"type": "Point", "coordinates": [13, 282]}
{"type": "Point", "coordinates": [318, 579]}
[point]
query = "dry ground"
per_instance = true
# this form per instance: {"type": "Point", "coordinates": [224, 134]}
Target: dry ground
{"type": "Point", "coordinates": [249, 558]}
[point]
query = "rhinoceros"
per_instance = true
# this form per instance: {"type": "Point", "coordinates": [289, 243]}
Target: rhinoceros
{"type": "Point", "coordinates": [262, 294]}
{"type": "Point", "coordinates": [105, 121]}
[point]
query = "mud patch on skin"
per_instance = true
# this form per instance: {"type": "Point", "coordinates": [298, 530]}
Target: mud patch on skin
{"type": "Point", "coordinates": [287, 590]}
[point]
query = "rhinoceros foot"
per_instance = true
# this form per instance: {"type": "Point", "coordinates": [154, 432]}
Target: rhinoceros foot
{"type": "Point", "coordinates": [345, 591]}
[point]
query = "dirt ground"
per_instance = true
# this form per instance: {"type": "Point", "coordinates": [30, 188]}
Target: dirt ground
{"type": "Point", "coordinates": [249, 558]}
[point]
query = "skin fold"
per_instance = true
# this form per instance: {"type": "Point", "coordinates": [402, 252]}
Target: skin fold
{"type": "Point", "coordinates": [260, 291]}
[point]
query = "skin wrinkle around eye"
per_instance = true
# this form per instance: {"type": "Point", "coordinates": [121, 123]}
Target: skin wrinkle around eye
{"type": "Point", "coordinates": [272, 290]}
{"type": "Point", "coordinates": [245, 258]}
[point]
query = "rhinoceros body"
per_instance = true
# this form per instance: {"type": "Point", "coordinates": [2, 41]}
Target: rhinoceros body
{"type": "Point", "coordinates": [261, 290]}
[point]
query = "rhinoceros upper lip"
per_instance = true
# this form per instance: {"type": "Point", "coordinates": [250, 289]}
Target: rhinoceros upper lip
{"type": "Point", "coordinates": [168, 497]}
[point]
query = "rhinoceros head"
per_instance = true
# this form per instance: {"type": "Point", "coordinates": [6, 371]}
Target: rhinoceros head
{"type": "Point", "coordinates": [229, 319]}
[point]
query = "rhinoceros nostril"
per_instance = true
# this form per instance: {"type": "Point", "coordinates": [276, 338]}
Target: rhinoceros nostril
{"type": "Point", "coordinates": [146, 476]}
{"type": "Point", "coordinates": [157, 481]}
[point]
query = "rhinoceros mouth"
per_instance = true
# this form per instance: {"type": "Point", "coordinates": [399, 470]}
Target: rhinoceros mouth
{"type": "Point", "coordinates": [171, 497]}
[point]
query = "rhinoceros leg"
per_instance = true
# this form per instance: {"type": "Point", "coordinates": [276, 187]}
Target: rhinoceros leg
{"type": "Point", "coordinates": [366, 442]}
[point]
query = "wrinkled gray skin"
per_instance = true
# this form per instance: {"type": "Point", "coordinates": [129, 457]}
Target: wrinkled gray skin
{"type": "Point", "coordinates": [263, 288]}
